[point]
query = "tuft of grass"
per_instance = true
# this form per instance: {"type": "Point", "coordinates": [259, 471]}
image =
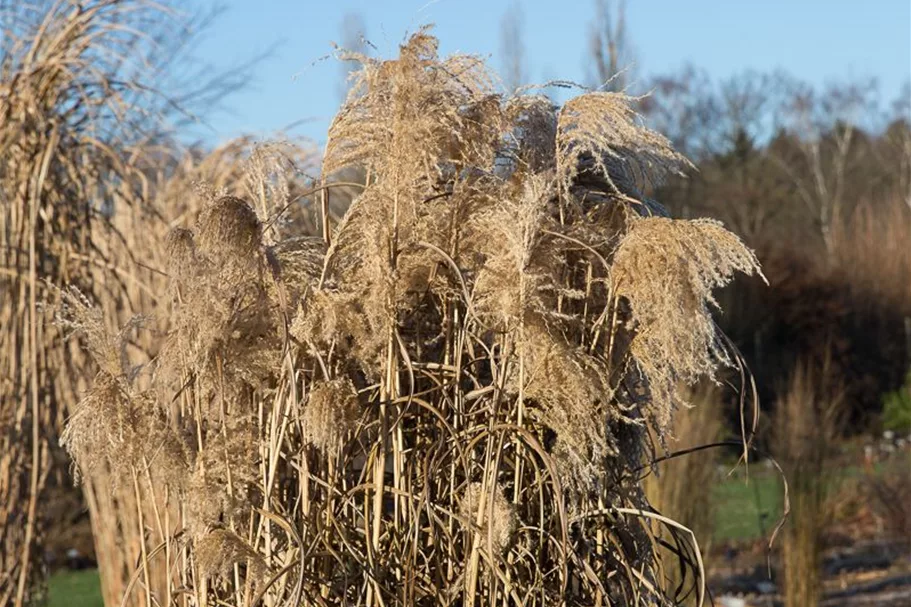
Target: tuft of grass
{"type": "Point", "coordinates": [68, 141]}
{"type": "Point", "coordinates": [446, 395]}
{"type": "Point", "coordinates": [88, 171]}
{"type": "Point", "coordinates": [683, 488]}
{"type": "Point", "coordinates": [806, 425]}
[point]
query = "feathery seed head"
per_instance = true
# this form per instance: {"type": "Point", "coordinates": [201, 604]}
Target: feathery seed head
{"type": "Point", "coordinates": [229, 227]}
{"type": "Point", "coordinates": [219, 550]}
{"type": "Point", "coordinates": [329, 414]}
{"type": "Point", "coordinates": [180, 250]}
{"type": "Point", "coordinates": [666, 269]}
{"type": "Point", "coordinates": [498, 520]}
{"type": "Point", "coordinates": [603, 130]}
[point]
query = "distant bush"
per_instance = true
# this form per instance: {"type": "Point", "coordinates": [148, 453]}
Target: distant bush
{"type": "Point", "coordinates": [889, 495]}
{"type": "Point", "coordinates": [897, 408]}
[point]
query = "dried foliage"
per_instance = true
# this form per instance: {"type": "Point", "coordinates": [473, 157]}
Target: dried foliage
{"type": "Point", "coordinates": [681, 487]}
{"type": "Point", "coordinates": [869, 251]}
{"type": "Point", "coordinates": [219, 551]}
{"type": "Point", "coordinates": [493, 516]}
{"type": "Point", "coordinates": [888, 494]}
{"type": "Point", "coordinates": [447, 399]}
{"type": "Point", "coordinates": [75, 126]}
{"type": "Point", "coordinates": [329, 414]}
{"type": "Point", "coordinates": [806, 426]}
{"type": "Point", "coordinates": [604, 128]}
{"type": "Point", "coordinates": [676, 339]}
{"type": "Point", "coordinates": [90, 182]}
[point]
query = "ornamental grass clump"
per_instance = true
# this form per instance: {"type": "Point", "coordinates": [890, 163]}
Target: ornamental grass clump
{"type": "Point", "coordinates": [446, 396]}
{"type": "Point", "coordinates": [83, 139]}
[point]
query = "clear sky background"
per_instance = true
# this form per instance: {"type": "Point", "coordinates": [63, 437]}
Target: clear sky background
{"type": "Point", "coordinates": [815, 40]}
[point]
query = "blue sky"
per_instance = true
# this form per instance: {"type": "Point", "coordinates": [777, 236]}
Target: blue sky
{"type": "Point", "coordinates": [816, 40]}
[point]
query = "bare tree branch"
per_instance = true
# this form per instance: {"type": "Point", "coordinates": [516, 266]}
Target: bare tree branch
{"type": "Point", "coordinates": [610, 52]}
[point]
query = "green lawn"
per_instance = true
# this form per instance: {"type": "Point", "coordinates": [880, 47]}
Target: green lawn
{"type": "Point", "coordinates": [75, 589]}
{"type": "Point", "coordinates": [747, 509]}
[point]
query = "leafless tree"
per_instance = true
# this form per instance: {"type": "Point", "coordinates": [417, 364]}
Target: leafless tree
{"type": "Point", "coordinates": [747, 105]}
{"type": "Point", "coordinates": [683, 106]}
{"type": "Point", "coordinates": [721, 126]}
{"type": "Point", "coordinates": [827, 126]}
{"type": "Point", "coordinates": [512, 47]}
{"type": "Point", "coordinates": [610, 53]}
{"type": "Point", "coordinates": [354, 39]}
{"type": "Point", "coordinates": [901, 114]}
